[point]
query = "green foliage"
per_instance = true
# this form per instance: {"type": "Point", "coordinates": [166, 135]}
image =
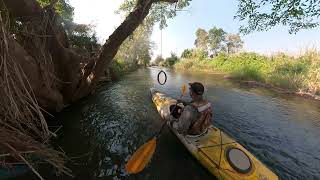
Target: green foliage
{"type": "Point", "coordinates": [291, 68]}
{"type": "Point", "coordinates": [248, 73]}
{"type": "Point", "coordinates": [312, 80]}
{"type": "Point", "coordinates": [187, 53]}
{"type": "Point", "coordinates": [199, 54]}
{"type": "Point", "coordinates": [82, 37]}
{"type": "Point", "coordinates": [137, 49]}
{"type": "Point", "coordinates": [202, 40]}
{"type": "Point", "coordinates": [170, 61]}
{"type": "Point", "coordinates": [186, 64]}
{"type": "Point", "coordinates": [158, 60]}
{"type": "Point", "coordinates": [233, 43]}
{"type": "Point", "coordinates": [216, 39]}
{"type": "Point", "coordinates": [302, 73]}
{"type": "Point", "coordinates": [262, 15]}
{"type": "Point", "coordinates": [159, 12]}
{"type": "Point", "coordinates": [62, 7]}
{"type": "Point", "coordinates": [119, 68]}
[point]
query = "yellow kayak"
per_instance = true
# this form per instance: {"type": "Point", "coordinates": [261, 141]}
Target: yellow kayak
{"type": "Point", "coordinates": [219, 153]}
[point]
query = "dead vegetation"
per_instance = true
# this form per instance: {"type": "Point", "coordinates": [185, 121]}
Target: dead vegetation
{"type": "Point", "coordinates": [24, 133]}
{"type": "Point", "coordinates": [39, 72]}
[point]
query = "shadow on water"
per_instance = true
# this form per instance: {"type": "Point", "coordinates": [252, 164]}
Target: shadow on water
{"type": "Point", "coordinates": [100, 132]}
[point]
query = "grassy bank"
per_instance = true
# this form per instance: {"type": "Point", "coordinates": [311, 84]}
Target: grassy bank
{"type": "Point", "coordinates": [293, 73]}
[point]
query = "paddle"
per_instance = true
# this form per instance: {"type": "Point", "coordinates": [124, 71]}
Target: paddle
{"type": "Point", "coordinates": [143, 155]}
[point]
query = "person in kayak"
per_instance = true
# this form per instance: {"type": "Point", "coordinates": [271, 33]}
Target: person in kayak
{"type": "Point", "coordinates": [196, 115]}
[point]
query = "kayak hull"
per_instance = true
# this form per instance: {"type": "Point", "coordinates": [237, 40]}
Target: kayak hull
{"type": "Point", "coordinates": [212, 147]}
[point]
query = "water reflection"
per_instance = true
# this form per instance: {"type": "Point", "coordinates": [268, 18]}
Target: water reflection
{"type": "Point", "coordinates": [102, 131]}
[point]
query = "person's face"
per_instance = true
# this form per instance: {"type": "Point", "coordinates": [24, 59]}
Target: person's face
{"type": "Point", "coordinates": [192, 94]}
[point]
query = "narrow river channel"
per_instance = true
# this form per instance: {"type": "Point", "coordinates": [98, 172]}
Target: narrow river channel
{"type": "Point", "coordinates": [101, 131]}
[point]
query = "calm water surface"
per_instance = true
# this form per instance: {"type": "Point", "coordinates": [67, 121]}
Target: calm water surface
{"type": "Point", "coordinates": [101, 131]}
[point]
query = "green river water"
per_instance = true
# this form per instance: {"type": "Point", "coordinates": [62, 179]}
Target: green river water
{"type": "Point", "coordinates": [100, 132]}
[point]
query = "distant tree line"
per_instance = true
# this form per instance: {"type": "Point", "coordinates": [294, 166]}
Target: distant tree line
{"type": "Point", "coordinates": [168, 62]}
{"type": "Point", "coordinates": [215, 41]}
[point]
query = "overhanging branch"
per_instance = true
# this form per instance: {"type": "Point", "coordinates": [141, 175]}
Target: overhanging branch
{"type": "Point", "coordinates": [133, 20]}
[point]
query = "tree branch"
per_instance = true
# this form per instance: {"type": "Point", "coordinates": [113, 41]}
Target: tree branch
{"type": "Point", "coordinates": [133, 20]}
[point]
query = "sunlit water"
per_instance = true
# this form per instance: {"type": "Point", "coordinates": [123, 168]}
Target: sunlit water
{"type": "Point", "coordinates": [101, 131]}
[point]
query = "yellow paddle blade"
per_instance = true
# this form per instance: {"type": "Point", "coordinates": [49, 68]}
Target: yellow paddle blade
{"type": "Point", "coordinates": [141, 157]}
{"type": "Point", "coordinates": [183, 89]}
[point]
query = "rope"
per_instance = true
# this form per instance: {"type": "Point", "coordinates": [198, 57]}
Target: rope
{"type": "Point", "coordinates": [158, 78]}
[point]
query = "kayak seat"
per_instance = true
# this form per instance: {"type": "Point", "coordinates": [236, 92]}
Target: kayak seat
{"type": "Point", "coordinates": [198, 135]}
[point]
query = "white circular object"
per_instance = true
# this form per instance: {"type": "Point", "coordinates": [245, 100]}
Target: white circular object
{"type": "Point", "coordinates": [239, 160]}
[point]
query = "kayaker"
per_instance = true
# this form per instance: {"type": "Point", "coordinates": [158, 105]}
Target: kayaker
{"type": "Point", "coordinates": [196, 115]}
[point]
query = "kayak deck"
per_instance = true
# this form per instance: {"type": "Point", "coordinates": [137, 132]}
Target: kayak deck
{"type": "Point", "coordinates": [219, 153]}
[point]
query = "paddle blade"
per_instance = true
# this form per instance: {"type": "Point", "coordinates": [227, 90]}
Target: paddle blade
{"type": "Point", "coordinates": [141, 157]}
{"type": "Point", "coordinates": [183, 89]}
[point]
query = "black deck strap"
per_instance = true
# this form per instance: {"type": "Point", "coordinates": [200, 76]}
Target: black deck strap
{"type": "Point", "coordinates": [165, 79]}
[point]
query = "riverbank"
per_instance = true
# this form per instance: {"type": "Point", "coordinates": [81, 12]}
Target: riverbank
{"type": "Point", "coordinates": [283, 73]}
{"type": "Point", "coordinates": [118, 70]}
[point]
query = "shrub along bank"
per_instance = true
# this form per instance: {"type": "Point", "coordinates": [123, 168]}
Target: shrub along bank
{"type": "Point", "coordinates": [293, 73]}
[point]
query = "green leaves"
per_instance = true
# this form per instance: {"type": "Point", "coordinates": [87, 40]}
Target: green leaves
{"type": "Point", "coordinates": [262, 15]}
{"type": "Point", "coordinates": [202, 40]}
{"type": "Point", "coordinates": [159, 13]}
{"type": "Point", "coordinates": [216, 40]}
{"type": "Point", "coordinates": [233, 43]}
{"type": "Point", "coordinates": [62, 7]}
{"type": "Point", "coordinates": [137, 48]}
{"type": "Point", "coordinates": [170, 61]}
{"type": "Point", "coordinates": [187, 53]}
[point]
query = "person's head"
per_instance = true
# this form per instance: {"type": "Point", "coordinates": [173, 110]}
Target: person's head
{"type": "Point", "coordinates": [196, 90]}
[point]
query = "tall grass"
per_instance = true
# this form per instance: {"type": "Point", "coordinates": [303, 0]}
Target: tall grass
{"type": "Point", "coordinates": [281, 70]}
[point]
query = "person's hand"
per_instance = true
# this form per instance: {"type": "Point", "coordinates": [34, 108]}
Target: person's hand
{"type": "Point", "coordinates": [172, 121]}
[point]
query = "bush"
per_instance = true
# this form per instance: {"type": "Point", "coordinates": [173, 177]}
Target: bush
{"type": "Point", "coordinates": [170, 61]}
{"type": "Point", "coordinates": [158, 60]}
{"type": "Point", "coordinates": [280, 70]}
{"type": "Point", "coordinates": [248, 73]}
{"type": "Point", "coordinates": [186, 54]}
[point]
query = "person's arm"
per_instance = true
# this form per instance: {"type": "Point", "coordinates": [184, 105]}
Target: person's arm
{"type": "Point", "coordinates": [188, 115]}
{"type": "Point", "coordinates": [185, 103]}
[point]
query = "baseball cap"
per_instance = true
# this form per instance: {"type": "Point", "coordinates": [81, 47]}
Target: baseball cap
{"type": "Point", "coordinates": [197, 88]}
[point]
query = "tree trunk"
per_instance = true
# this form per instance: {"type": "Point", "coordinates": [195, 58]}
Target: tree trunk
{"type": "Point", "coordinates": [65, 80]}
{"type": "Point", "coordinates": [45, 73]}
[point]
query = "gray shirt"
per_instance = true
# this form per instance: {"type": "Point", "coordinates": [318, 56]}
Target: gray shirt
{"type": "Point", "coordinates": [188, 116]}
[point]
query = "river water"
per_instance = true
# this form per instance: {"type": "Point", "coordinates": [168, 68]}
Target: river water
{"type": "Point", "coordinates": [100, 132]}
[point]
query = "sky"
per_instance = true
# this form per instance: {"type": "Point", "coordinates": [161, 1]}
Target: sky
{"type": "Point", "coordinates": [180, 33]}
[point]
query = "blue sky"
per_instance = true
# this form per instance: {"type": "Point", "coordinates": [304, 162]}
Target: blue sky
{"type": "Point", "coordinates": [180, 33]}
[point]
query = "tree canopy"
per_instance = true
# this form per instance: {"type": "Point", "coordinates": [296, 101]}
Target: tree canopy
{"type": "Point", "coordinates": [261, 15]}
{"type": "Point", "coordinates": [202, 40]}
{"type": "Point", "coordinates": [137, 48]}
{"type": "Point", "coordinates": [233, 43]}
{"type": "Point", "coordinates": [215, 41]}
{"type": "Point", "coordinates": [159, 12]}
{"type": "Point", "coordinates": [187, 53]}
{"type": "Point", "coordinates": [216, 37]}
